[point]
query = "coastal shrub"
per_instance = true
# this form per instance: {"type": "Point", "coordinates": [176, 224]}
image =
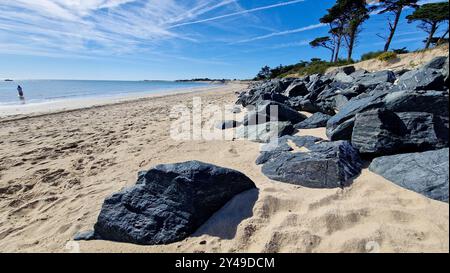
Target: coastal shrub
{"type": "Point", "coordinates": [371, 55]}
{"type": "Point", "coordinates": [387, 56]}
{"type": "Point", "coordinates": [401, 50]}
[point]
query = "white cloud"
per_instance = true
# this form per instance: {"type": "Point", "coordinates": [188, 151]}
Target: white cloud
{"type": "Point", "coordinates": [282, 4]}
{"type": "Point", "coordinates": [108, 26]}
{"type": "Point", "coordinates": [281, 33]}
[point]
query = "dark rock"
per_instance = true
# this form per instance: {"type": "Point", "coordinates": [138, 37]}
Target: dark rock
{"type": "Point", "coordinates": [435, 102]}
{"type": "Point", "coordinates": [317, 120]}
{"type": "Point", "coordinates": [265, 132]}
{"type": "Point", "coordinates": [359, 73]}
{"type": "Point", "coordinates": [227, 124]}
{"type": "Point", "coordinates": [168, 203]}
{"type": "Point", "coordinates": [436, 63]}
{"type": "Point", "coordinates": [378, 132]}
{"type": "Point", "coordinates": [399, 73]}
{"type": "Point", "coordinates": [326, 165]}
{"type": "Point", "coordinates": [297, 88]}
{"type": "Point", "coordinates": [342, 77]}
{"type": "Point", "coordinates": [272, 111]}
{"type": "Point", "coordinates": [422, 79]}
{"type": "Point", "coordinates": [339, 102]}
{"type": "Point", "coordinates": [382, 132]}
{"type": "Point", "coordinates": [426, 173]}
{"type": "Point", "coordinates": [268, 90]}
{"type": "Point", "coordinates": [340, 126]}
{"type": "Point", "coordinates": [277, 146]}
{"type": "Point", "coordinates": [372, 80]}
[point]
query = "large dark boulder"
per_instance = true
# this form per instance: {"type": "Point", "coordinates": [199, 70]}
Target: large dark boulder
{"type": "Point", "coordinates": [425, 173]}
{"type": "Point", "coordinates": [265, 132]}
{"type": "Point", "coordinates": [435, 102]}
{"type": "Point", "coordinates": [422, 79]}
{"type": "Point", "coordinates": [168, 203]}
{"type": "Point", "coordinates": [325, 165]}
{"type": "Point", "coordinates": [317, 120]}
{"type": "Point", "coordinates": [272, 111]}
{"type": "Point", "coordinates": [267, 90]}
{"type": "Point", "coordinates": [436, 63]}
{"type": "Point", "coordinates": [382, 132]}
{"type": "Point", "coordinates": [278, 146]}
{"type": "Point", "coordinates": [372, 80]}
{"type": "Point", "coordinates": [340, 126]}
{"type": "Point", "coordinates": [296, 89]}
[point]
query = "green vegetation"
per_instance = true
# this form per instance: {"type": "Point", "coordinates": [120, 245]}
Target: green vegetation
{"type": "Point", "coordinates": [387, 56]}
{"type": "Point", "coordinates": [431, 17]}
{"type": "Point", "coordinates": [345, 20]}
{"type": "Point", "coordinates": [371, 55]}
{"type": "Point", "coordinates": [303, 68]}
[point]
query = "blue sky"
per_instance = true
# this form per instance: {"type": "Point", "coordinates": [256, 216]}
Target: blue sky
{"type": "Point", "coordinates": [169, 39]}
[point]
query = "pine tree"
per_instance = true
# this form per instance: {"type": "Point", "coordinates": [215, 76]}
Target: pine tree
{"type": "Point", "coordinates": [431, 17]}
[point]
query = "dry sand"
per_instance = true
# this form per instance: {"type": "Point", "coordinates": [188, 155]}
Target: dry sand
{"type": "Point", "coordinates": [56, 170]}
{"type": "Point", "coordinates": [410, 61]}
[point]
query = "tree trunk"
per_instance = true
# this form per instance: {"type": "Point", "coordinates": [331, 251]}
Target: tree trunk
{"type": "Point", "coordinates": [332, 54]}
{"type": "Point", "coordinates": [430, 37]}
{"type": "Point", "coordinates": [393, 28]}
{"type": "Point", "coordinates": [351, 44]}
{"type": "Point", "coordinates": [338, 48]}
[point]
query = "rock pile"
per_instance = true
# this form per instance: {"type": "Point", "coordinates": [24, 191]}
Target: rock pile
{"type": "Point", "coordinates": [369, 114]}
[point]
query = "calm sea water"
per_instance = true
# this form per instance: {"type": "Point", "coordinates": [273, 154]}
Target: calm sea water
{"type": "Point", "coordinates": [38, 91]}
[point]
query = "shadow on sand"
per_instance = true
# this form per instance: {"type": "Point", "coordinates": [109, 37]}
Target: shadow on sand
{"type": "Point", "coordinates": [224, 223]}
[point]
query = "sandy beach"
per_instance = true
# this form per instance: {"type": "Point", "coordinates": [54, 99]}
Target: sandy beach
{"type": "Point", "coordinates": [56, 169]}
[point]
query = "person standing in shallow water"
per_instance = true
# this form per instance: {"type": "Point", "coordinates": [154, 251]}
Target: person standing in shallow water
{"type": "Point", "coordinates": [20, 93]}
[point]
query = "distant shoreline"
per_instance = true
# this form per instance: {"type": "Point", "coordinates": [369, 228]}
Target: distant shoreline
{"type": "Point", "coordinates": [12, 112]}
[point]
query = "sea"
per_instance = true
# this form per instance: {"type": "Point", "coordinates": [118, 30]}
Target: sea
{"type": "Point", "coordinates": [43, 91]}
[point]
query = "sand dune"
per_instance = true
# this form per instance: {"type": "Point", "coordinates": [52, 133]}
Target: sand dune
{"type": "Point", "coordinates": [56, 170]}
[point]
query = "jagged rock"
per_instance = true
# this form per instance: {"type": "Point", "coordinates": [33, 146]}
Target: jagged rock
{"type": "Point", "coordinates": [342, 77]}
{"type": "Point", "coordinates": [302, 104]}
{"type": "Point", "coordinates": [372, 80]}
{"type": "Point", "coordinates": [168, 203]}
{"type": "Point", "coordinates": [426, 173]}
{"type": "Point", "coordinates": [272, 111]}
{"type": "Point", "coordinates": [382, 132]}
{"type": "Point", "coordinates": [422, 79]}
{"type": "Point", "coordinates": [296, 89]}
{"type": "Point", "coordinates": [340, 126]}
{"type": "Point", "coordinates": [435, 102]}
{"type": "Point", "coordinates": [227, 124]}
{"type": "Point", "coordinates": [268, 90]}
{"type": "Point", "coordinates": [265, 132]}
{"type": "Point", "coordinates": [326, 165]}
{"type": "Point", "coordinates": [317, 120]}
{"type": "Point", "coordinates": [436, 63]}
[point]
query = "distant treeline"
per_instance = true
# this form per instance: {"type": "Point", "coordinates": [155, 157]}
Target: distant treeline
{"type": "Point", "coordinates": [205, 80]}
{"type": "Point", "coordinates": [345, 20]}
